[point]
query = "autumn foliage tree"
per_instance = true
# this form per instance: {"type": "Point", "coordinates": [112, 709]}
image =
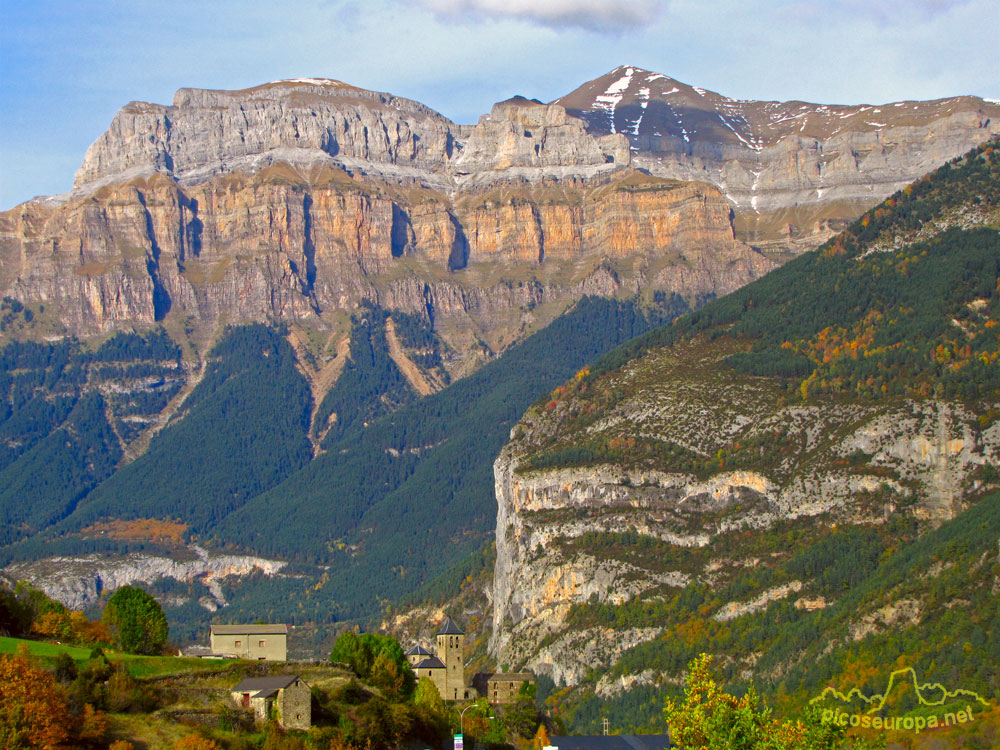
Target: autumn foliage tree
{"type": "Point", "coordinates": [711, 719]}
{"type": "Point", "coordinates": [136, 621]}
{"type": "Point", "coordinates": [32, 707]}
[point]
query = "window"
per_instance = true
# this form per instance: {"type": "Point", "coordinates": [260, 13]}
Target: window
{"type": "Point", "coordinates": [239, 643]}
{"type": "Point", "coordinates": [261, 643]}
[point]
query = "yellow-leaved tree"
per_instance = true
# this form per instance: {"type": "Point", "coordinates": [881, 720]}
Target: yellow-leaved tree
{"type": "Point", "coordinates": [711, 719]}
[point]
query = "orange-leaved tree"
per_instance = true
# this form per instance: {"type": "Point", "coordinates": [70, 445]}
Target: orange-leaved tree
{"type": "Point", "coordinates": [33, 711]}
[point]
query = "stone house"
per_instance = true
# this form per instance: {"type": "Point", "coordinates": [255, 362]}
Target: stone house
{"type": "Point", "coordinates": [504, 687]}
{"type": "Point", "coordinates": [259, 642]}
{"type": "Point", "coordinates": [286, 697]}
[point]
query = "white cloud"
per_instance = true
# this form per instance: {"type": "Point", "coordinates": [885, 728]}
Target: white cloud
{"type": "Point", "coordinates": [610, 16]}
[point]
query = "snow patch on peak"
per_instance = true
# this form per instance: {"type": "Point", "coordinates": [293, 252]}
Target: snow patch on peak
{"type": "Point", "coordinates": [622, 84]}
{"type": "Point", "coordinates": [314, 81]}
{"type": "Point", "coordinates": [613, 94]}
{"type": "Point", "coordinates": [991, 101]}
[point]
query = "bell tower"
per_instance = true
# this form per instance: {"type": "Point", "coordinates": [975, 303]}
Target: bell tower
{"type": "Point", "coordinates": [450, 646]}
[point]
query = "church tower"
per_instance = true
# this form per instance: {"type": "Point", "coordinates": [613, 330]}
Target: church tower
{"type": "Point", "coordinates": [450, 644]}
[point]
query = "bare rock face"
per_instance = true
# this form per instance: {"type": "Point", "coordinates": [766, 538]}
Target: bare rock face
{"type": "Point", "coordinates": [212, 132]}
{"type": "Point", "coordinates": [793, 171]}
{"type": "Point", "coordinates": [297, 199]}
{"type": "Point", "coordinates": [526, 133]}
{"type": "Point", "coordinates": [78, 582]}
{"type": "Point", "coordinates": [922, 454]}
{"type": "Point", "coordinates": [300, 243]}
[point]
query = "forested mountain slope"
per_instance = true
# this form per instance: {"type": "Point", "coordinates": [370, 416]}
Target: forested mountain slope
{"type": "Point", "coordinates": [395, 489]}
{"type": "Point", "coordinates": [790, 477]}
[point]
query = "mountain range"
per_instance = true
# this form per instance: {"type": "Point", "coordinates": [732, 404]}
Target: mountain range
{"type": "Point", "coordinates": [264, 354]}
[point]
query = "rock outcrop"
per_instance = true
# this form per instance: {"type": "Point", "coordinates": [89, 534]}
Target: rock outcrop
{"type": "Point", "coordinates": [301, 243]}
{"type": "Point", "coordinates": [77, 582]}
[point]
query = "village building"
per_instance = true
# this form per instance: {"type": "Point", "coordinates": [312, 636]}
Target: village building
{"type": "Point", "coordinates": [503, 688]}
{"type": "Point", "coordinates": [286, 698]}
{"type": "Point", "coordinates": [258, 642]}
{"type": "Point", "coordinates": [446, 669]}
{"type": "Point", "coordinates": [417, 654]}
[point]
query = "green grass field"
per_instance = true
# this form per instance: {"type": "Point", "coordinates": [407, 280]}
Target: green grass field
{"type": "Point", "coordinates": [138, 666]}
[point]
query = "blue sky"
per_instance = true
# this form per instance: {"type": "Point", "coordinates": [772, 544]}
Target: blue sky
{"type": "Point", "coordinates": [66, 67]}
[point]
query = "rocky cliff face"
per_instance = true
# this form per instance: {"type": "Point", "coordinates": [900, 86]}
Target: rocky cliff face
{"type": "Point", "coordinates": [215, 132]}
{"type": "Point", "coordinates": [693, 494]}
{"type": "Point", "coordinates": [794, 171]}
{"type": "Point", "coordinates": [78, 582]}
{"type": "Point", "coordinates": [297, 199]}
{"type": "Point", "coordinates": [921, 456]}
{"type": "Point", "coordinates": [217, 218]}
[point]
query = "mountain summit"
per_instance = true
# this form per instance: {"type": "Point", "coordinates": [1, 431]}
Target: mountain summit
{"type": "Point", "coordinates": [794, 171]}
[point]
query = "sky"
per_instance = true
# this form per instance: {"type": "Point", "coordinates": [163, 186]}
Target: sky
{"type": "Point", "coordinates": [66, 66]}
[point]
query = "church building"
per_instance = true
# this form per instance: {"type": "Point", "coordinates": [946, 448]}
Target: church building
{"type": "Point", "coordinates": [446, 669]}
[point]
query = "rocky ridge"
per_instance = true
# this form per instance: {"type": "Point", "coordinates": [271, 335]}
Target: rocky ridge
{"type": "Point", "coordinates": [721, 478]}
{"type": "Point", "coordinates": [298, 200]}
{"type": "Point", "coordinates": [921, 456]}
{"type": "Point", "coordinates": [78, 582]}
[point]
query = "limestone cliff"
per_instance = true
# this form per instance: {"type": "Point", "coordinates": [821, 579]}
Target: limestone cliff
{"type": "Point", "coordinates": [301, 244]}
{"type": "Point", "coordinates": [300, 198]}
{"type": "Point", "coordinates": [918, 456]}
{"type": "Point", "coordinates": [704, 485]}
{"type": "Point", "coordinates": [78, 582]}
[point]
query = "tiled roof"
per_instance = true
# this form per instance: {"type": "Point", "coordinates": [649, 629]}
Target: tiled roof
{"type": "Point", "coordinates": [448, 627]}
{"type": "Point", "coordinates": [431, 662]}
{"type": "Point", "coordinates": [250, 629]}
{"type": "Point", "coordinates": [418, 650]}
{"type": "Point", "coordinates": [261, 684]}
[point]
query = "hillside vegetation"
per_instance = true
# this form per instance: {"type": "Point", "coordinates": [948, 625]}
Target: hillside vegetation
{"type": "Point", "coordinates": [798, 478]}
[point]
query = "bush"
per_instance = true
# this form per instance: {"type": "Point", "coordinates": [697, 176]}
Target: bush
{"type": "Point", "coordinates": [33, 709]}
{"type": "Point", "coordinates": [125, 694]}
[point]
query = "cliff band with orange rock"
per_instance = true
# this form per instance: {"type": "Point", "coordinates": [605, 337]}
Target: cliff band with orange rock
{"type": "Point", "coordinates": [299, 199]}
